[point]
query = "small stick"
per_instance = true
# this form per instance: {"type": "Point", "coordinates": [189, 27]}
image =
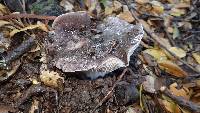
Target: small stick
{"type": "Point", "coordinates": [17, 52]}
{"type": "Point", "coordinates": [108, 95]}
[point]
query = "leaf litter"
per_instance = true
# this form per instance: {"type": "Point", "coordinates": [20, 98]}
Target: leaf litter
{"type": "Point", "coordinates": [168, 53]}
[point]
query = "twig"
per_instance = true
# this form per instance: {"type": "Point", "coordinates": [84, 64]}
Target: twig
{"type": "Point", "coordinates": [16, 53]}
{"type": "Point", "coordinates": [181, 101]}
{"type": "Point", "coordinates": [33, 16]}
{"type": "Point", "coordinates": [108, 95]}
{"type": "Point", "coordinates": [155, 38]}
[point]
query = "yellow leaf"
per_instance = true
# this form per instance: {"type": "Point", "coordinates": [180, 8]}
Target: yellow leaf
{"type": "Point", "coordinates": [108, 10]}
{"type": "Point", "coordinates": [158, 54]}
{"type": "Point", "coordinates": [171, 106]}
{"type": "Point", "coordinates": [172, 68]}
{"type": "Point", "coordinates": [126, 15]}
{"type": "Point", "coordinates": [3, 22]}
{"type": "Point", "coordinates": [157, 7]}
{"type": "Point", "coordinates": [3, 9]}
{"type": "Point", "coordinates": [177, 12]}
{"type": "Point", "coordinates": [117, 6]}
{"type": "Point", "coordinates": [177, 51]}
{"type": "Point", "coordinates": [51, 78]}
{"type": "Point", "coordinates": [42, 26]}
{"type": "Point", "coordinates": [182, 5]}
{"type": "Point", "coordinates": [183, 92]}
{"type": "Point", "coordinates": [196, 56]}
{"type": "Point", "coordinates": [141, 1]}
{"type": "Point", "coordinates": [13, 32]}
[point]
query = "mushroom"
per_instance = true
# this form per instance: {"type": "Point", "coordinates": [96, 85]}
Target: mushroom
{"type": "Point", "coordinates": [77, 48]}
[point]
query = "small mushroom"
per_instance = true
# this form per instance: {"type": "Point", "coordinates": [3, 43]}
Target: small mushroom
{"type": "Point", "coordinates": [77, 49]}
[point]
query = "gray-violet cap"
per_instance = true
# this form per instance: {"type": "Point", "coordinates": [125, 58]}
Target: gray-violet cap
{"type": "Point", "coordinates": [77, 48]}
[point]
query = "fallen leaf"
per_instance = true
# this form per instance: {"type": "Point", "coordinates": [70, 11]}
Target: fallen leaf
{"type": "Point", "coordinates": [126, 15]}
{"type": "Point", "coordinates": [51, 78]}
{"type": "Point", "coordinates": [171, 106]}
{"type": "Point", "coordinates": [149, 84]}
{"type": "Point", "coordinates": [158, 54]}
{"type": "Point", "coordinates": [172, 68]}
{"type": "Point", "coordinates": [177, 51]}
{"type": "Point", "coordinates": [3, 9]}
{"type": "Point", "coordinates": [176, 32]}
{"type": "Point", "coordinates": [183, 92]}
{"type": "Point", "coordinates": [67, 5]}
{"type": "Point", "coordinates": [13, 32]}
{"type": "Point", "coordinates": [177, 12]}
{"type": "Point", "coordinates": [3, 22]}
{"type": "Point", "coordinates": [42, 26]}
{"type": "Point", "coordinates": [141, 1]}
{"type": "Point", "coordinates": [117, 6]}
{"type": "Point", "coordinates": [157, 7]}
{"type": "Point", "coordinates": [182, 5]}
{"type": "Point", "coordinates": [196, 56]}
{"type": "Point", "coordinates": [108, 10]}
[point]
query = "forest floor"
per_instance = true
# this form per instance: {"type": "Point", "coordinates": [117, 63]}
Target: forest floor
{"type": "Point", "coordinates": [163, 74]}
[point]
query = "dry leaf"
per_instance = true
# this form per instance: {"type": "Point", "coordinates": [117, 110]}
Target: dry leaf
{"type": "Point", "coordinates": [182, 5]}
{"type": "Point", "coordinates": [172, 68]}
{"type": "Point", "coordinates": [108, 10]}
{"type": "Point", "coordinates": [3, 22]}
{"type": "Point", "coordinates": [177, 51]}
{"type": "Point", "coordinates": [177, 12]}
{"type": "Point", "coordinates": [126, 15]}
{"type": "Point", "coordinates": [158, 54]}
{"type": "Point", "coordinates": [176, 32]}
{"type": "Point", "coordinates": [3, 9]}
{"type": "Point", "coordinates": [196, 56]}
{"type": "Point", "coordinates": [141, 1]}
{"type": "Point", "coordinates": [149, 84]}
{"type": "Point", "coordinates": [42, 26]}
{"type": "Point", "coordinates": [157, 7]}
{"type": "Point", "coordinates": [51, 78]}
{"type": "Point", "coordinates": [117, 6]}
{"type": "Point", "coordinates": [183, 92]}
{"type": "Point", "coordinates": [13, 32]}
{"type": "Point", "coordinates": [171, 106]}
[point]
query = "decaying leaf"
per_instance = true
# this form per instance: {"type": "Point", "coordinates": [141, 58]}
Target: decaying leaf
{"type": "Point", "coordinates": [3, 22]}
{"type": "Point", "coordinates": [117, 6]}
{"type": "Point", "coordinates": [141, 1]}
{"type": "Point", "coordinates": [157, 7]}
{"type": "Point", "coordinates": [40, 26]}
{"type": "Point", "coordinates": [126, 15]}
{"type": "Point", "coordinates": [196, 56]}
{"type": "Point", "coordinates": [177, 12]}
{"type": "Point", "coordinates": [175, 32]}
{"type": "Point", "coordinates": [172, 68]}
{"type": "Point", "coordinates": [51, 78]}
{"type": "Point", "coordinates": [177, 51]}
{"type": "Point", "coordinates": [3, 9]}
{"type": "Point", "coordinates": [183, 92]}
{"type": "Point", "coordinates": [171, 106]}
{"type": "Point", "coordinates": [158, 54]}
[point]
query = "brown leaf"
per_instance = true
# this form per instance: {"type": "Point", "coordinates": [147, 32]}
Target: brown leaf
{"type": "Point", "coordinates": [183, 92]}
{"type": "Point", "coordinates": [196, 56]}
{"type": "Point", "coordinates": [172, 68]}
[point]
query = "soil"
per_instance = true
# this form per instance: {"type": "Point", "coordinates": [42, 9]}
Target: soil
{"type": "Point", "coordinates": [76, 95]}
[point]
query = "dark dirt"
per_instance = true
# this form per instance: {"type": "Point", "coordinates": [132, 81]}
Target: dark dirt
{"type": "Point", "coordinates": [77, 95]}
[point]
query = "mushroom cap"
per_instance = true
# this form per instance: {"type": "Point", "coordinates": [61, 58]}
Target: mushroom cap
{"type": "Point", "coordinates": [76, 48]}
{"type": "Point", "coordinates": [71, 21]}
